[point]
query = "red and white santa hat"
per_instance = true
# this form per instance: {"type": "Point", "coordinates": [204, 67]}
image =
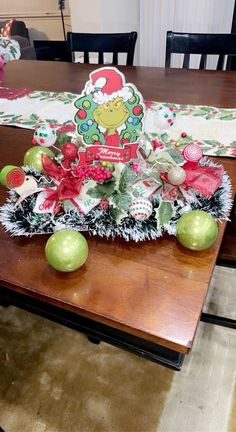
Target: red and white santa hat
{"type": "Point", "coordinates": [106, 84]}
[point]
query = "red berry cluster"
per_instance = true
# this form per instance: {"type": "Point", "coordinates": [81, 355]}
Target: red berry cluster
{"type": "Point", "coordinates": [104, 204]}
{"type": "Point", "coordinates": [97, 173]}
{"type": "Point", "coordinates": [135, 168]}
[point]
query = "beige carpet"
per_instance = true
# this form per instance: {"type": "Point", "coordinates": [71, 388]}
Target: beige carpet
{"type": "Point", "coordinates": [53, 380]}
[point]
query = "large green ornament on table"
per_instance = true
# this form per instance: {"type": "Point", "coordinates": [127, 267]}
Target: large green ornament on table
{"type": "Point", "coordinates": [33, 156]}
{"type": "Point", "coordinates": [66, 250]}
{"type": "Point", "coordinates": [197, 230]}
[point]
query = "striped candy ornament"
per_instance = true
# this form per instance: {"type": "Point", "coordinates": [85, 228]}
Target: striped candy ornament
{"type": "Point", "coordinates": [12, 176]}
{"type": "Point", "coordinates": [192, 153]}
{"type": "Point", "coordinates": [141, 209]}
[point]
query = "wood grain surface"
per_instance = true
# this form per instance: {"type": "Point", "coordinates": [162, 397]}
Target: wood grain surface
{"type": "Point", "coordinates": [153, 289]}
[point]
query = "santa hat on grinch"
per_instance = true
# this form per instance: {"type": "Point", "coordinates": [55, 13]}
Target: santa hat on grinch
{"type": "Point", "coordinates": [106, 84]}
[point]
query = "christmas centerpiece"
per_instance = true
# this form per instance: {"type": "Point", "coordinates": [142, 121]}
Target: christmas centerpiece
{"type": "Point", "coordinates": [115, 175]}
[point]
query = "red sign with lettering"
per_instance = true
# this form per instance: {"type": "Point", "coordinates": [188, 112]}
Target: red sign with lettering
{"type": "Point", "coordinates": [109, 154]}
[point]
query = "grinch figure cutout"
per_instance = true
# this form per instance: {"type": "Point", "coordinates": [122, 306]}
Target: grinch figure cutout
{"type": "Point", "coordinates": [110, 111]}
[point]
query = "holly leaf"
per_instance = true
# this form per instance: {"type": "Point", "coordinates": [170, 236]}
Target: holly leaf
{"type": "Point", "coordinates": [117, 214]}
{"type": "Point", "coordinates": [164, 157]}
{"type": "Point", "coordinates": [105, 189]}
{"type": "Point", "coordinates": [226, 117]}
{"type": "Point", "coordinates": [182, 142]}
{"type": "Point", "coordinates": [211, 142]}
{"type": "Point", "coordinates": [34, 117]}
{"type": "Point", "coordinates": [156, 176]}
{"type": "Point", "coordinates": [126, 178]}
{"type": "Point", "coordinates": [121, 201]}
{"type": "Point", "coordinates": [165, 138]}
{"type": "Point", "coordinates": [62, 138]}
{"type": "Point", "coordinates": [178, 158]}
{"type": "Point", "coordinates": [164, 213]}
{"type": "Point", "coordinates": [222, 151]}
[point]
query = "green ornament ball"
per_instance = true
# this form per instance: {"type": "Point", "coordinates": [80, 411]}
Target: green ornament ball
{"type": "Point", "coordinates": [33, 157]}
{"type": "Point", "coordinates": [66, 250]}
{"type": "Point", "coordinates": [197, 230]}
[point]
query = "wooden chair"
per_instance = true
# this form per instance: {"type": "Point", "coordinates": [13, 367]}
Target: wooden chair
{"type": "Point", "coordinates": [103, 43]}
{"type": "Point", "coordinates": [201, 43]}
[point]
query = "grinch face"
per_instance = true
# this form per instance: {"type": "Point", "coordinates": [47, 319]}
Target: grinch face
{"type": "Point", "coordinates": [111, 115]}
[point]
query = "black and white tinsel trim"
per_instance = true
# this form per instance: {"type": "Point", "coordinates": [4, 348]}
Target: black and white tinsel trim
{"type": "Point", "coordinates": [21, 220]}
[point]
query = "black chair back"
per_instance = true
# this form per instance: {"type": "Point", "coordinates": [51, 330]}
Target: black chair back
{"type": "Point", "coordinates": [101, 43]}
{"type": "Point", "coordinates": [52, 50]}
{"type": "Point", "coordinates": [201, 43]}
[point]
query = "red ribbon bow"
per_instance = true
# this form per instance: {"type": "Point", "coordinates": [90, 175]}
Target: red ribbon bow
{"type": "Point", "coordinates": [68, 188]}
{"type": "Point", "coordinates": [203, 179]}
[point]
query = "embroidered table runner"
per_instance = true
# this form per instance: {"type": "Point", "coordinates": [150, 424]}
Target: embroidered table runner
{"type": "Point", "coordinates": [213, 129]}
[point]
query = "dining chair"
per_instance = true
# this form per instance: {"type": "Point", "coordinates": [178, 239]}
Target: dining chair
{"type": "Point", "coordinates": [101, 43]}
{"type": "Point", "coordinates": [201, 43]}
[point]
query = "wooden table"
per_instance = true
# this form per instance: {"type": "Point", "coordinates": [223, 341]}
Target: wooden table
{"type": "Point", "coordinates": [145, 297]}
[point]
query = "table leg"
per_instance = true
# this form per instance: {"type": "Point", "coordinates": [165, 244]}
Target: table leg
{"type": "Point", "coordinates": [94, 340]}
{"type": "Point", "coordinates": [218, 320]}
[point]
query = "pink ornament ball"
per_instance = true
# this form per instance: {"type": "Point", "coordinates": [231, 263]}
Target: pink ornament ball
{"type": "Point", "coordinates": [192, 153]}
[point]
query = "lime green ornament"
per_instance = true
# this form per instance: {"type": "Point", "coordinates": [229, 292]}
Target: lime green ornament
{"type": "Point", "coordinates": [66, 250]}
{"type": "Point", "coordinates": [197, 230]}
{"type": "Point", "coordinates": [33, 157]}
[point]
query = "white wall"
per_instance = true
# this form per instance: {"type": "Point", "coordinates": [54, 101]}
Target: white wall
{"type": "Point", "coordinates": [120, 15]}
{"type": "Point", "coordinates": [158, 16]}
{"type": "Point", "coordinates": [105, 16]}
{"type": "Point", "coordinates": [42, 17]}
{"type": "Point", "coordinates": [85, 16]}
{"type": "Point", "coordinates": [151, 19]}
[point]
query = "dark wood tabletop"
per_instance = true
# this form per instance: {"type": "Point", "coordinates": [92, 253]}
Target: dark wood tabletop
{"type": "Point", "coordinates": [154, 289]}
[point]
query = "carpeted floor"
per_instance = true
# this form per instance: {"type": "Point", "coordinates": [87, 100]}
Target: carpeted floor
{"type": "Point", "coordinates": [53, 380]}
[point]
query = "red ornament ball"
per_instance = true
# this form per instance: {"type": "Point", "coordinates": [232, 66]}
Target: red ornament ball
{"type": "Point", "coordinates": [69, 151]}
{"type": "Point", "coordinates": [192, 153]}
{"type": "Point", "coordinates": [183, 134]}
{"type": "Point", "coordinates": [137, 110]}
{"type": "Point", "coordinates": [82, 114]}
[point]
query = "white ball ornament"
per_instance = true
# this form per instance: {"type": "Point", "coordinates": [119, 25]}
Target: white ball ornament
{"type": "Point", "coordinates": [164, 117]}
{"type": "Point", "coordinates": [45, 136]}
{"type": "Point", "coordinates": [176, 175]}
{"type": "Point", "coordinates": [141, 209]}
{"type": "Point", "coordinates": [192, 153]}
{"type": "Point", "coordinates": [159, 119]}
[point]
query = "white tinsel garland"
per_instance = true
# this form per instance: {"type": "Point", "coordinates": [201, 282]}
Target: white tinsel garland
{"type": "Point", "coordinates": [22, 220]}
